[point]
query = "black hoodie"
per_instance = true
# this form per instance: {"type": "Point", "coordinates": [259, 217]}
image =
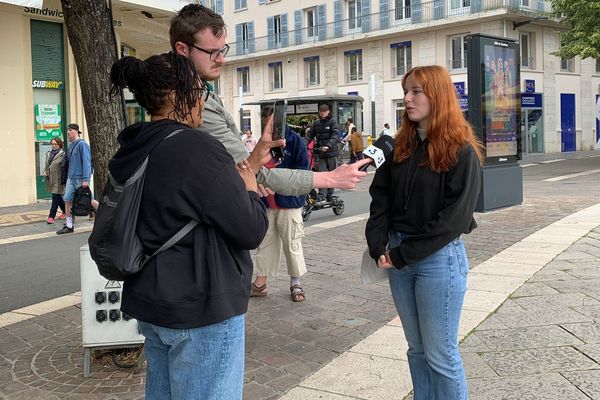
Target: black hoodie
{"type": "Point", "coordinates": [205, 277]}
{"type": "Point", "coordinates": [432, 208]}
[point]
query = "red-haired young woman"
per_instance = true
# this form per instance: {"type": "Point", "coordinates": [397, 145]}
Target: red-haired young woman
{"type": "Point", "coordinates": [422, 202]}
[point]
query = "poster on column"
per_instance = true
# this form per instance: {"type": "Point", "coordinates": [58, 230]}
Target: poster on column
{"type": "Point", "coordinates": [501, 90]}
{"type": "Point", "coordinates": [47, 122]}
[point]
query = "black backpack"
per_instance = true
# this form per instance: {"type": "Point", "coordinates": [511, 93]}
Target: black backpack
{"type": "Point", "coordinates": [114, 244]}
{"type": "Point", "coordinates": [82, 201]}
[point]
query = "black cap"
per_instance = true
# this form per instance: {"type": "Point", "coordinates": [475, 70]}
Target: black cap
{"type": "Point", "coordinates": [323, 107]}
{"type": "Point", "coordinates": [75, 127]}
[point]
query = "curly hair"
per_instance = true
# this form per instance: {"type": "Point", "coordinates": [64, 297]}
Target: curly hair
{"type": "Point", "coordinates": [152, 80]}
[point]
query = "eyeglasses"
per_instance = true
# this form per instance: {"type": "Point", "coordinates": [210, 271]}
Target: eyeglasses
{"type": "Point", "coordinates": [204, 89]}
{"type": "Point", "coordinates": [213, 53]}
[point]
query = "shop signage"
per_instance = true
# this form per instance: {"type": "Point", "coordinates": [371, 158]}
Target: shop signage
{"type": "Point", "coordinates": [529, 86]}
{"type": "Point", "coordinates": [55, 13]}
{"type": "Point", "coordinates": [307, 108]}
{"type": "Point", "coordinates": [47, 122]}
{"type": "Point", "coordinates": [531, 100]}
{"type": "Point", "coordinates": [48, 84]}
{"type": "Point", "coordinates": [460, 88]}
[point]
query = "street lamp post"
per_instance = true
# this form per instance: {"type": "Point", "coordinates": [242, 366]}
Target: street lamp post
{"type": "Point", "coordinates": [373, 105]}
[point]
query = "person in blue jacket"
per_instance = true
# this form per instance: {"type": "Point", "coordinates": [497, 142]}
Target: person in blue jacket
{"type": "Point", "coordinates": [79, 157]}
{"type": "Point", "coordinates": [286, 227]}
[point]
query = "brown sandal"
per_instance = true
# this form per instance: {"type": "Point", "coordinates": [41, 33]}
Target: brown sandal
{"type": "Point", "coordinates": [258, 291]}
{"type": "Point", "coordinates": [297, 293]}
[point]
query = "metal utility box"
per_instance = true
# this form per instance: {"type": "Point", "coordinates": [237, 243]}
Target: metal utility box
{"type": "Point", "coordinates": [102, 322]}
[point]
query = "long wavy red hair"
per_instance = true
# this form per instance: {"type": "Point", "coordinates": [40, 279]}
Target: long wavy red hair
{"type": "Point", "coordinates": [448, 131]}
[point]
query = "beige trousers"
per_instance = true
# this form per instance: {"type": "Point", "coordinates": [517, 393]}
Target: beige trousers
{"type": "Point", "coordinates": [285, 233]}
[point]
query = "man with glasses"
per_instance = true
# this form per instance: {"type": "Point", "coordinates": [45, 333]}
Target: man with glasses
{"type": "Point", "coordinates": [199, 34]}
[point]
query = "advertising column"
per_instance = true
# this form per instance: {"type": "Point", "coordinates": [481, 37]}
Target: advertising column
{"type": "Point", "coordinates": [494, 111]}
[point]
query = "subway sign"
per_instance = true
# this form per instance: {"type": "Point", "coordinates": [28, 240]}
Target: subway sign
{"type": "Point", "coordinates": [48, 84]}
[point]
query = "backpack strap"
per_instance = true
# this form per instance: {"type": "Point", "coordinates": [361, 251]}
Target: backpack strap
{"type": "Point", "coordinates": [183, 231]}
{"type": "Point", "coordinates": [177, 237]}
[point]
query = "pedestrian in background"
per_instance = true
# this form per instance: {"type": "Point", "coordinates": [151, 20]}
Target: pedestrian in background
{"type": "Point", "coordinates": [423, 200]}
{"type": "Point", "coordinates": [386, 130]}
{"type": "Point", "coordinates": [249, 141]}
{"type": "Point", "coordinates": [190, 300]}
{"type": "Point", "coordinates": [356, 146]}
{"type": "Point", "coordinates": [79, 158]}
{"type": "Point", "coordinates": [52, 172]}
{"type": "Point", "coordinates": [286, 227]}
{"type": "Point", "coordinates": [325, 132]}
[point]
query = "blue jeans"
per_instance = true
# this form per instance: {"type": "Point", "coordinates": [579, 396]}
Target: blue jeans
{"type": "Point", "coordinates": [199, 363]}
{"type": "Point", "coordinates": [429, 296]}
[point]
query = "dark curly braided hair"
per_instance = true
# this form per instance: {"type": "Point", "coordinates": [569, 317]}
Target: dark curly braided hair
{"type": "Point", "coordinates": [152, 80]}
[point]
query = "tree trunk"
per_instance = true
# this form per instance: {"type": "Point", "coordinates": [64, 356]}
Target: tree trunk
{"type": "Point", "coordinates": [89, 25]}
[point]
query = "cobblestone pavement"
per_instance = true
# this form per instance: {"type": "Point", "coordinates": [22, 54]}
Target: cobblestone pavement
{"type": "Point", "coordinates": [542, 343]}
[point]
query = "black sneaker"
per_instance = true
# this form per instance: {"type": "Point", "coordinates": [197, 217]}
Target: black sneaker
{"type": "Point", "coordinates": [65, 229]}
{"type": "Point", "coordinates": [329, 199]}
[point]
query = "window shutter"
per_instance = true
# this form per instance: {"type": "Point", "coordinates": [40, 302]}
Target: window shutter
{"type": "Point", "coordinates": [365, 15]}
{"type": "Point", "coordinates": [322, 21]}
{"type": "Point", "coordinates": [384, 14]}
{"type": "Point", "coordinates": [476, 5]}
{"type": "Point", "coordinates": [239, 49]}
{"type": "Point", "coordinates": [298, 26]}
{"type": "Point", "coordinates": [271, 32]}
{"type": "Point", "coordinates": [338, 15]}
{"type": "Point", "coordinates": [219, 8]}
{"type": "Point", "coordinates": [540, 6]}
{"type": "Point", "coordinates": [251, 44]}
{"type": "Point", "coordinates": [47, 52]}
{"type": "Point", "coordinates": [416, 11]}
{"type": "Point", "coordinates": [285, 36]}
{"type": "Point", "coordinates": [438, 8]}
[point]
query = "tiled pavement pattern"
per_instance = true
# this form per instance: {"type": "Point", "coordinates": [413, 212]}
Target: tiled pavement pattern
{"type": "Point", "coordinates": [543, 343]}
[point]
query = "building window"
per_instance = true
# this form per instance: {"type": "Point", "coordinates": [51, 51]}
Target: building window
{"type": "Point", "coordinates": [526, 3]}
{"type": "Point", "coordinates": [312, 71]}
{"type": "Point", "coordinates": [310, 15]}
{"type": "Point", "coordinates": [216, 84]}
{"type": "Point", "coordinates": [276, 75]}
{"type": "Point", "coordinates": [399, 113]}
{"type": "Point", "coordinates": [240, 4]}
{"type": "Point", "coordinates": [402, 10]}
{"type": "Point", "coordinates": [598, 65]}
{"type": "Point", "coordinates": [458, 7]}
{"type": "Point", "coordinates": [245, 36]}
{"type": "Point", "coordinates": [566, 64]}
{"type": "Point", "coordinates": [277, 29]}
{"type": "Point", "coordinates": [458, 45]}
{"type": "Point", "coordinates": [402, 58]}
{"type": "Point", "coordinates": [526, 58]}
{"type": "Point", "coordinates": [354, 15]}
{"type": "Point", "coordinates": [353, 65]}
{"type": "Point", "coordinates": [244, 79]}
{"type": "Point", "coordinates": [246, 120]}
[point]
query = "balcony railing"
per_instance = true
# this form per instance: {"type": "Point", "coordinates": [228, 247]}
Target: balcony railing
{"type": "Point", "coordinates": [566, 64]}
{"type": "Point", "coordinates": [457, 64]}
{"type": "Point", "coordinates": [311, 82]}
{"type": "Point", "coordinates": [353, 77]}
{"type": "Point", "coordinates": [399, 71]}
{"type": "Point", "coordinates": [393, 19]}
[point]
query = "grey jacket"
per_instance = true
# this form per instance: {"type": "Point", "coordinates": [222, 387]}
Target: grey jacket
{"type": "Point", "coordinates": [221, 125]}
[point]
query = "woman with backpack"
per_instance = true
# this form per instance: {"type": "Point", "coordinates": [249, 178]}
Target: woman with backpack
{"type": "Point", "coordinates": [190, 300]}
{"type": "Point", "coordinates": [52, 172]}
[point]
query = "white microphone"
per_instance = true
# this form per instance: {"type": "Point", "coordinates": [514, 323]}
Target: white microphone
{"type": "Point", "coordinates": [379, 151]}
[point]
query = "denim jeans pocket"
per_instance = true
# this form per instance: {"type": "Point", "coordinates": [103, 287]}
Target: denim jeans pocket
{"type": "Point", "coordinates": [461, 256]}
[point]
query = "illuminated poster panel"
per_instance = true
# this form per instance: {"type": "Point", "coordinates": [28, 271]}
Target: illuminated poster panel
{"type": "Point", "coordinates": [500, 100]}
{"type": "Point", "coordinates": [494, 96]}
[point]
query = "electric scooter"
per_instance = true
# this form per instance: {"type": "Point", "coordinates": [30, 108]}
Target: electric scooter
{"type": "Point", "coordinates": [314, 204]}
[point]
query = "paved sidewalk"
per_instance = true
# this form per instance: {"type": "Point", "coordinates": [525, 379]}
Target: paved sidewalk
{"type": "Point", "coordinates": [344, 342]}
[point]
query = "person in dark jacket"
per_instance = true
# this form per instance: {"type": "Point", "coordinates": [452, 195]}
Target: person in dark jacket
{"type": "Point", "coordinates": [190, 300]}
{"type": "Point", "coordinates": [325, 132]}
{"type": "Point", "coordinates": [286, 227]}
{"type": "Point", "coordinates": [423, 200]}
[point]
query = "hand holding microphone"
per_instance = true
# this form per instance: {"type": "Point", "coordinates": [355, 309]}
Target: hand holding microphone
{"type": "Point", "coordinates": [379, 151]}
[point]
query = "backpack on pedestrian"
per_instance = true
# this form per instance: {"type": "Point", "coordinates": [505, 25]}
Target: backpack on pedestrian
{"type": "Point", "coordinates": [114, 244]}
{"type": "Point", "coordinates": [82, 201]}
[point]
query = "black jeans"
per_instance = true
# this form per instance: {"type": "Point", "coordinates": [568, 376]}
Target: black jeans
{"type": "Point", "coordinates": [57, 201]}
{"type": "Point", "coordinates": [326, 164]}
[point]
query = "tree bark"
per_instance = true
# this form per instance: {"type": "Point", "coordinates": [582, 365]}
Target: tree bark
{"type": "Point", "coordinates": [89, 25]}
